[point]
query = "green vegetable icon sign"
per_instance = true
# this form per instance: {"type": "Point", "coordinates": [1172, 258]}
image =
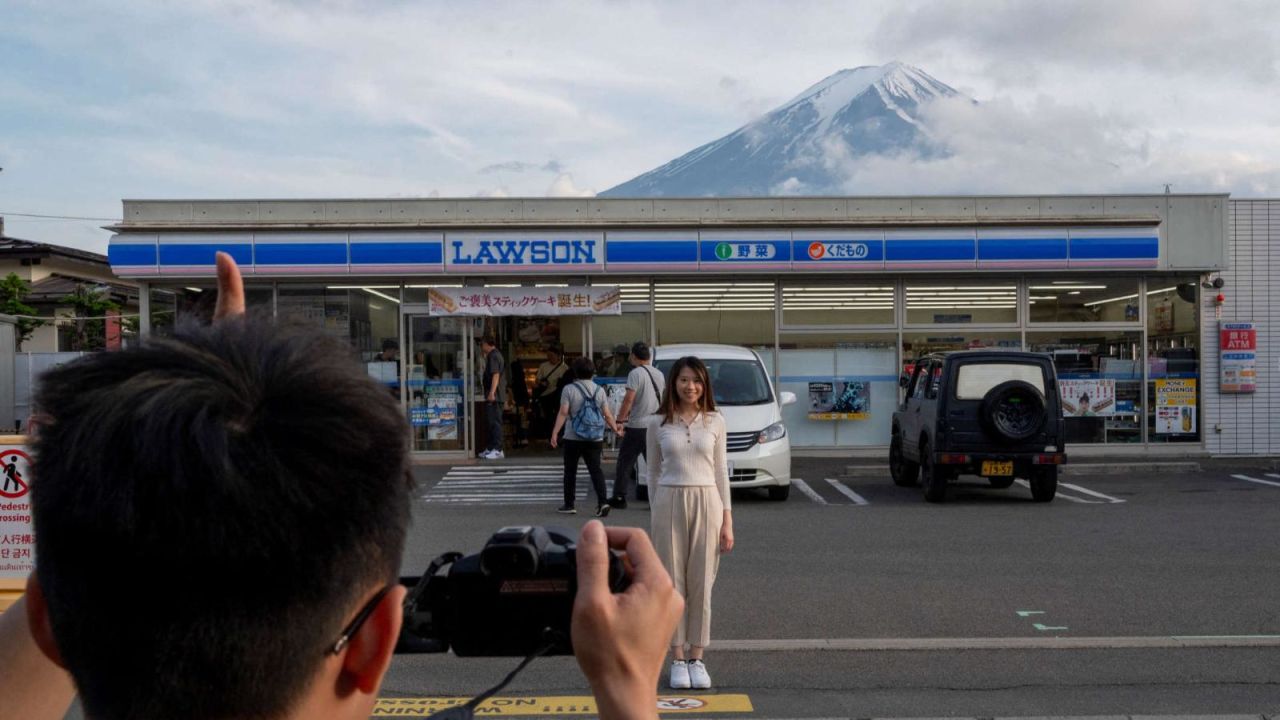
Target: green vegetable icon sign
{"type": "Point", "coordinates": [724, 251]}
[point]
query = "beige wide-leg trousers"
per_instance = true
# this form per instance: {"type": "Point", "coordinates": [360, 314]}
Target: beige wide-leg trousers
{"type": "Point", "coordinates": [685, 525]}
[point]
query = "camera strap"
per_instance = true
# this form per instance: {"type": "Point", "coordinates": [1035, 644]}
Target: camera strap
{"type": "Point", "coordinates": [467, 711]}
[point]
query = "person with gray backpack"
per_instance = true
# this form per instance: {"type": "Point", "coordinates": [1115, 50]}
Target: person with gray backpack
{"type": "Point", "coordinates": [584, 416]}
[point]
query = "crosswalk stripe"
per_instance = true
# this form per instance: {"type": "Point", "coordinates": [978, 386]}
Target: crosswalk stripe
{"type": "Point", "coordinates": [1272, 475]}
{"type": "Point", "coordinates": [504, 485]}
{"type": "Point", "coordinates": [1256, 480]}
{"type": "Point", "coordinates": [843, 490]}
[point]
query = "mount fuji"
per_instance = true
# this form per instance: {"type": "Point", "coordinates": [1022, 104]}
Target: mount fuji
{"type": "Point", "coordinates": [798, 147]}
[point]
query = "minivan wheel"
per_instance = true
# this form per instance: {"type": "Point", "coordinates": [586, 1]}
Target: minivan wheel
{"type": "Point", "coordinates": [1044, 484]}
{"type": "Point", "coordinates": [904, 472]}
{"type": "Point", "coordinates": [778, 493]}
{"type": "Point", "coordinates": [935, 483]}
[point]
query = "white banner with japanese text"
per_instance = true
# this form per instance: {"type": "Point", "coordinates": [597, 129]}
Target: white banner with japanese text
{"type": "Point", "coordinates": [525, 302]}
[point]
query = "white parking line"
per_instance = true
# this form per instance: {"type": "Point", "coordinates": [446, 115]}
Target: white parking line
{"type": "Point", "coordinates": [1256, 480]}
{"type": "Point", "coordinates": [845, 491]}
{"type": "Point", "coordinates": [1062, 495]}
{"type": "Point", "coordinates": [1087, 491]}
{"type": "Point", "coordinates": [1272, 475]}
{"type": "Point", "coordinates": [804, 488]}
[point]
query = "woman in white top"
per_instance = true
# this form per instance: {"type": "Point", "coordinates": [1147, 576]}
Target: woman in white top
{"type": "Point", "coordinates": [691, 522]}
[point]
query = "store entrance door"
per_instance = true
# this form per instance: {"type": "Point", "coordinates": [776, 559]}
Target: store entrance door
{"type": "Point", "coordinates": [538, 352]}
{"type": "Point", "coordinates": [436, 382]}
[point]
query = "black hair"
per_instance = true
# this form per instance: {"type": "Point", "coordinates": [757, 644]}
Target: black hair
{"type": "Point", "coordinates": [488, 340]}
{"type": "Point", "coordinates": [640, 350]}
{"type": "Point", "coordinates": [582, 368]}
{"type": "Point", "coordinates": [210, 508]}
{"type": "Point", "coordinates": [390, 344]}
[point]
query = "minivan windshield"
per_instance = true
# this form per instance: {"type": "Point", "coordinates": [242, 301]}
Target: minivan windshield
{"type": "Point", "coordinates": [734, 382]}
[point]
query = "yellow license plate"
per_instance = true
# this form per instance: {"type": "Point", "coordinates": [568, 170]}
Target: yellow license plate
{"type": "Point", "coordinates": [997, 468]}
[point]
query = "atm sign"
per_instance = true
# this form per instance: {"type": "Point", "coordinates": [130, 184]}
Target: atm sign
{"type": "Point", "coordinates": [1238, 336]}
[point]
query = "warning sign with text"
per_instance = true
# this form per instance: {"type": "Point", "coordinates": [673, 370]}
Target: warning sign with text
{"type": "Point", "coordinates": [17, 538]}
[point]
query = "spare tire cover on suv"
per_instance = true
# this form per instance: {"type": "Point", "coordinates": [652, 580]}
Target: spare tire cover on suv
{"type": "Point", "coordinates": [1013, 410]}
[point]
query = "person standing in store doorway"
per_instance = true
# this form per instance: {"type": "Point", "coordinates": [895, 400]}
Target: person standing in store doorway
{"type": "Point", "coordinates": [584, 414]}
{"type": "Point", "coordinates": [689, 495]}
{"type": "Point", "coordinates": [644, 393]}
{"type": "Point", "coordinates": [491, 382]}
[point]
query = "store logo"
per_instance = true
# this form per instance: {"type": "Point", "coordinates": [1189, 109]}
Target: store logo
{"type": "Point", "coordinates": [817, 250]}
{"type": "Point", "coordinates": [525, 252]}
{"type": "Point", "coordinates": [724, 251]}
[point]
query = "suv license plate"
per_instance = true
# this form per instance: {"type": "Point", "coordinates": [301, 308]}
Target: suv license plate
{"type": "Point", "coordinates": [997, 468]}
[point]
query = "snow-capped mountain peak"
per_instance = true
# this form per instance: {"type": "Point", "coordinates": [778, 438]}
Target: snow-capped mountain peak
{"type": "Point", "coordinates": [867, 110]}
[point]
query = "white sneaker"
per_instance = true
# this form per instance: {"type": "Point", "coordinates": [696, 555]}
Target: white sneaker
{"type": "Point", "coordinates": [679, 678]}
{"type": "Point", "coordinates": [496, 455]}
{"type": "Point", "coordinates": [486, 454]}
{"type": "Point", "coordinates": [698, 677]}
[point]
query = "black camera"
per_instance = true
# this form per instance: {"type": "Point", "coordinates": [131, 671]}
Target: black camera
{"type": "Point", "coordinates": [511, 599]}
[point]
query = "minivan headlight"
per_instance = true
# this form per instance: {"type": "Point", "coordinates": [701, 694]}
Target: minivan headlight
{"type": "Point", "coordinates": [776, 431]}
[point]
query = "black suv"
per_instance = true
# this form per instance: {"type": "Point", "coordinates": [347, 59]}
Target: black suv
{"type": "Point", "coordinates": [991, 413]}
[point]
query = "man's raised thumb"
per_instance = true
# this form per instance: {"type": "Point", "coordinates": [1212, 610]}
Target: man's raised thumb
{"type": "Point", "coordinates": [593, 559]}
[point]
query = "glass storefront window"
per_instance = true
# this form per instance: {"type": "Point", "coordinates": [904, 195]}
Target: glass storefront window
{"type": "Point", "coordinates": [367, 317]}
{"type": "Point", "coordinates": [730, 313]}
{"type": "Point", "coordinates": [416, 293]}
{"type": "Point", "coordinates": [436, 408]}
{"type": "Point", "coordinates": [1100, 380]}
{"type": "Point", "coordinates": [847, 386]}
{"type": "Point", "coordinates": [199, 302]}
{"type": "Point", "coordinates": [1095, 299]}
{"type": "Point", "coordinates": [949, 302]}
{"type": "Point", "coordinates": [844, 304]}
{"type": "Point", "coordinates": [1173, 359]}
{"type": "Point", "coordinates": [919, 344]}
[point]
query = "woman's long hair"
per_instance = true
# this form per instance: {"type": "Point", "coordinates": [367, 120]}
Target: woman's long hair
{"type": "Point", "coordinates": [670, 401]}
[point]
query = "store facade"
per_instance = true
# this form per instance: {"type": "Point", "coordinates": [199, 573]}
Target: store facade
{"type": "Point", "coordinates": [837, 295]}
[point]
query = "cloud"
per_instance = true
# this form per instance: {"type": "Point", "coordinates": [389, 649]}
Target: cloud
{"type": "Point", "coordinates": [1048, 147]}
{"type": "Point", "coordinates": [519, 166]}
{"type": "Point", "coordinates": [563, 186]}
{"type": "Point", "coordinates": [1013, 39]}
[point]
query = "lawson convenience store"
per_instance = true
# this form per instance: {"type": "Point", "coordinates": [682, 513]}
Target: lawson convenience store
{"type": "Point", "coordinates": [838, 295]}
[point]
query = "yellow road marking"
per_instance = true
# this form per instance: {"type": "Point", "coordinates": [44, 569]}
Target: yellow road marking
{"type": "Point", "coordinates": [556, 705]}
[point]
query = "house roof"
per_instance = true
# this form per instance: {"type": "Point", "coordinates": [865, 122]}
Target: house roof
{"type": "Point", "coordinates": [55, 287]}
{"type": "Point", "coordinates": [12, 247]}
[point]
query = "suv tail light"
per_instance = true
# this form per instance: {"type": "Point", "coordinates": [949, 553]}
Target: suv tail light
{"type": "Point", "coordinates": [1054, 459]}
{"type": "Point", "coordinates": [953, 459]}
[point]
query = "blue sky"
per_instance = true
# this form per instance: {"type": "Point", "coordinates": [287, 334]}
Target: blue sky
{"type": "Point", "coordinates": [101, 101]}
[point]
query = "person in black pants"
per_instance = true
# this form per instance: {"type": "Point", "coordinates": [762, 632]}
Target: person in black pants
{"type": "Point", "coordinates": [572, 400]}
{"type": "Point", "coordinates": [643, 396]}
{"type": "Point", "coordinates": [491, 384]}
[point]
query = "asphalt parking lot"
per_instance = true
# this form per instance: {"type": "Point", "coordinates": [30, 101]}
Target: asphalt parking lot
{"type": "Point", "coordinates": [1132, 593]}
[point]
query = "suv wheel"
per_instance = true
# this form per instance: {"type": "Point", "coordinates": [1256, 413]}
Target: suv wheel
{"type": "Point", "coordinates": [934, 482]}
{"type": "Point", "coordinates": [778, 493]}
{"type": "Point", "coordinates": [1014, 411]}
{"type": "Point", "coordinates": [905, 473]}
{"type": "Point", "coordinates": [1044, 484]}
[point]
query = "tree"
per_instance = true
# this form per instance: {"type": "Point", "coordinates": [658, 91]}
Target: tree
{"type": "Point", "coordinates": [88, 329]}
{"type": "Point", "coordinates": [13, 291]}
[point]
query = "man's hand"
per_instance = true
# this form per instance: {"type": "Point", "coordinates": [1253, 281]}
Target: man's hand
{"type": "Point", "coordinates": [230, 288]}
{"type": "Point", "coordinates": [621, 640]}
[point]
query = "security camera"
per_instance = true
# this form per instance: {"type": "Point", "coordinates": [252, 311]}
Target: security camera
{"type": "Point", "coordinates": [1216, 284]}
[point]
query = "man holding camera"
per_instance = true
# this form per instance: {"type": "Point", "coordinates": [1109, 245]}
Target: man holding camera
{"type": "Point", "coordinates": [220, 518]}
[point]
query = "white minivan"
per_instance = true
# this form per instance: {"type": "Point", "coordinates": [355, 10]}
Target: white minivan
{"type": "Point", "coordinates": [759, 450]}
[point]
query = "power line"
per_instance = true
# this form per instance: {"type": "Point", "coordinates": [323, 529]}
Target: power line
{"type": "Point", "coordinates": [57, 217]}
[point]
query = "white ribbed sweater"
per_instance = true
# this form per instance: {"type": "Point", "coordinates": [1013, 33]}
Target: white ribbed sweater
{"type": "Point", "coordinates": [692, 455]}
